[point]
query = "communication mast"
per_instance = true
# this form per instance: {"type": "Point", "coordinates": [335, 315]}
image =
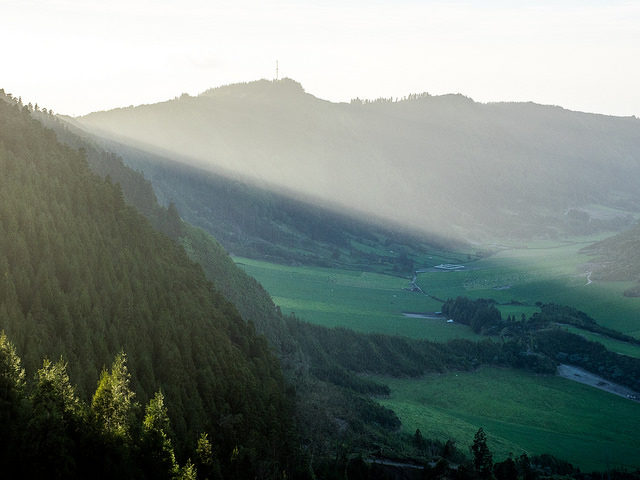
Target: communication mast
{"type": "Point", "coordinates": [277, 70]}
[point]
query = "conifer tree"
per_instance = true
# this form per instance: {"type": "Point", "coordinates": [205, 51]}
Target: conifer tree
{"type": "Point", "coordinates": [56, 418]}
{"type": "Point", "coordinates": [12, 383]}
{"type": "Point", "coordinates": [158, 457]}
{"type": "Point", "coordinates": [482, 457]}
{"type": "Point", "coordinates": [113, 403]}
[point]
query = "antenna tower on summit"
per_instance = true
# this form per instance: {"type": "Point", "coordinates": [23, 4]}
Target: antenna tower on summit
{"type": "Point", "coordinates": [277, 70]}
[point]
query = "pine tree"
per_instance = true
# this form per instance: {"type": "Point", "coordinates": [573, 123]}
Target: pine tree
{"type": "Point", "coordinates": [12, 384]}
{"type": "Point", "coordinates": [158, 457]}
{"type": "Point", "coordinates": [482, 458]}
{"type": "Point", "coordinates": [113, 403]}
{"type": "Point", "coordinates": [56, 417]}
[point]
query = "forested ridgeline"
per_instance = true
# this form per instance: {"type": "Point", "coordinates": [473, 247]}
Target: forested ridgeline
{"type": "Point", "coordinates": [415, 162]}
{"type": "Point", "coordinates": [84, 276]}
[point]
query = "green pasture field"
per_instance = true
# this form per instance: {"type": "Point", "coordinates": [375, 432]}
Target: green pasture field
{"type": "Point", "coordinates": [362, 301]}
{"type": "Point", "coordinates": [543, 273]}
{"type": "Point", "coordinates": [516, 277]}
{"type": "Point", "coordinates": [611, 344]}
{"type": "Point", "coordinates": [521, 412]}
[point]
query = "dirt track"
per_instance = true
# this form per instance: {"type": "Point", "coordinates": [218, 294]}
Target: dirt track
{"type": "Point", "coordinates": [588, 378]}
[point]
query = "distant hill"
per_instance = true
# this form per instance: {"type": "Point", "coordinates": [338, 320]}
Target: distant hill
{"type": "Point", "coordinates": [443, 164]}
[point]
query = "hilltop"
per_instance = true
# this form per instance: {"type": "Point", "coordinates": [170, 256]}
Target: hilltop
{"type": "Point", "coordinates": [441, 165]}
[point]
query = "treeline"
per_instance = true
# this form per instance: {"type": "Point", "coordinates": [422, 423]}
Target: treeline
{"type": "Point", "coordinates": [565, 347]}
{"type": "Point", "coordinates": [540, 337]}
{"type": "Point", "coordinates": [562, 314]}
{"type": "Point", "coordinates": [481, 315]}
{"type": "Point", "coordinates": [410, 97]}
{"type": "Point", "coordinates": [401, 357]}
{"type": "Point", "coordinates": [84, 276]}
{"type": "Point", "coordinates": [49, 432]}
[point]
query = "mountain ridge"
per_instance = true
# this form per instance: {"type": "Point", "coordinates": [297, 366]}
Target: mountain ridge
{"type": "Point", "coordinates": [441, 164]}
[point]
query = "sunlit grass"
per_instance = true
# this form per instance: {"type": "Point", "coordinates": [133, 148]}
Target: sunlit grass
{"type": "Point", "coordinates": [548, 273]}
{"type": "Point", "coordinates": [363, 301]}
{"type": "Point", "coordinates": [521, 412]}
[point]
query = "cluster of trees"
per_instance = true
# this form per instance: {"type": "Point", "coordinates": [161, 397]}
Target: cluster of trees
{"type": "Point", "coordinates": [565, 347]}
{"type": "Point", "coordinates": [539, 343]}
{"type": "Point", "coordinates": [562, 314]}
{"type": "Point", "coordinates": [481, 315]}
{"type": "Point", "coordinates": [333, 351]}
{"type": "Point", "coordinates": [49, 432]}
{"type": "Point", "coordinates": [523, 467]}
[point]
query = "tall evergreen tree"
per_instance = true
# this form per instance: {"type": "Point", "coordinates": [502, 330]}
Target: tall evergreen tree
{"type": "Point", "coordinates": [53, 430]}
{"type": "Point", "coordinates": [482, 457]}
{"type": "Point", "coordinates": [113, 402]}
{"type": "Point", "coordinates": [158, 457]}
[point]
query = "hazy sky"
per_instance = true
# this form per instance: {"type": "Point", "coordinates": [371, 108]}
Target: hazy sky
{"type": "Point", "coordinates": [78, 56]}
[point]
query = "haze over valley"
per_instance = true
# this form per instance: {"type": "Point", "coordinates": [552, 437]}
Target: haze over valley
{"type": "Point", "coordinates": [443, 165]}
{"type": "Point", "coordinates": [375, 240]}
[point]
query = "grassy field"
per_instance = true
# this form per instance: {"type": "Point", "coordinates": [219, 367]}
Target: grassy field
{"type": "Point", "coordinates": [516, 277]}
{"type": "Point", "coordinates": [363, 301]}
{"type": "Point", "coordinates": [611, 344]}
{"type": "Point", "coordinates": [546, 273]}
{"type": "Point", "coordinates": [521, 412]}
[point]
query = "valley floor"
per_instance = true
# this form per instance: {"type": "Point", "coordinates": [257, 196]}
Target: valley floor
{"type": "Point", "coordinates": [521, 412]}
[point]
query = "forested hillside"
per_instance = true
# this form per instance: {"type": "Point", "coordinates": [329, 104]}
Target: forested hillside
{"type": "Point", "coordinates": [84, 276]}
{"type": "Point", "coordinates": [258, 222]}
{"type": "Point", "coordinates": [442, 164]}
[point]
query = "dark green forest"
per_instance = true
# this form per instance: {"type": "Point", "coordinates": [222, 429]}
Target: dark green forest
{"type": "Point", "coordinates": [84, 276]}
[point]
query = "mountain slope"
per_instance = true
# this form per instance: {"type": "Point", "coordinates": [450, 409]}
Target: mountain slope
{"type": "Point", "coordinates": [85, 276]}
{"type": "Point", "coordinates": [436, 164]}
{"type": "Point", "coordinates": [618, 258]}
{"type": "Point", "coordinates": [258, 222]}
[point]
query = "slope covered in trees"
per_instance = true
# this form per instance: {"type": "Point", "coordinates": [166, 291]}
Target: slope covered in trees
{"type": "Point", "coordinates": [85, 276]}
{"type": "Point", "coordinates": [255, 221]}
{"type": "Point", "coordinates": [441, 164]}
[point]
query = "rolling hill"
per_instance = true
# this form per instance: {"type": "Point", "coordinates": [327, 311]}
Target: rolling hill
{"type": "Point", "coordinates": [434, 164]}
